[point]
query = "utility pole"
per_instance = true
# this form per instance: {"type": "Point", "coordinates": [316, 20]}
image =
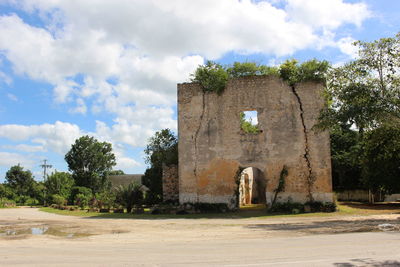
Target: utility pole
{"type": "Point", "coordinates": [45, 166]}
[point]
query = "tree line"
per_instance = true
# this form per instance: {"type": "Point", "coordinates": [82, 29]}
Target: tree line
{"type": "Point", "coordinates": [87, 183]}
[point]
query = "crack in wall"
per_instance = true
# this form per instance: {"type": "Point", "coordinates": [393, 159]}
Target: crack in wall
{"type": "Point", "coordinates": [310, 177]}
{"type": "Point", "coordinates": [196, 135]}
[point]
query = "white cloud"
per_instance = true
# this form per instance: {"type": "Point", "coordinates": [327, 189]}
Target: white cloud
{"type": "Point", "coordinates": [149, 46]}
{"type": "Point", "coordinates": [12, 97]}
{"type": "Point", "coordinates": [10, 159]}
{"type": "Point", "coordinates": [5, 78]}
{"type": "Point", "coordinates": [56, 137]}
{"type": "Point", "coordinates": [80, 107]}
{"type": "Point", "coordinates": [329, 14]}
{"type": "Point", "coordinates": [25, 148]}
{"type": "Point", "coordinates": [59, 137]}
{"type": "Point", "coordinates": [346, 47]}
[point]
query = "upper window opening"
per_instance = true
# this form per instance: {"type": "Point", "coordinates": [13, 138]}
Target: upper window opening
{"type": "Point", "coordinates": [249, 121]}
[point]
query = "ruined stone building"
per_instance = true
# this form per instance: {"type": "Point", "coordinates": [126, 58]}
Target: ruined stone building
{"type": "Point", "coordinates": [213, 146]}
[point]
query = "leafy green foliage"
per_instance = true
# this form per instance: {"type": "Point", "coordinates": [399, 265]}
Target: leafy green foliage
{"type": "Point", "coordinates": [90, 161]}
{"type": "Point", "coordinates": [294, 207]}
{"type": "Point", "coordinates": [211, 76]}
{"type": "Point", "coordinates": [129, 196]}
{"type": "Point", "coordinates": [81, 200]}
{"type": "Point", "coordinates": [105, 199]}
{"type": "Point", "coordinates": [76, 190]}
{"type": "Point", "coordinates": [366, 92]}
{"type": "Point", "coordinates": [250, 69]}
{"type": "Point", "coordinates": [364, 117]}
{"type": "Point", "coordinates": [6, 203]}
{"type": "Point", "coordinates": [58, 200]}
{"type": "Point", "coordinates": [161, 149]}
{"type": "Point", "coordinates": [312, 70]}
{"type": "Point", "coordinates": [19, 180]}
{"type": "Point", "coordinates": [6, 192]}
{"type": "Point", "coordinates": [247, 126]}
{"type": "Point", "coordinates": [59, 183]}
{"type": "Point", "coordinates": [381, 161]}
{"type": "Point", "coordinates": [346, 153]}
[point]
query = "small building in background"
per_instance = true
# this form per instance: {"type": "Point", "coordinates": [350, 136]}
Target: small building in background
{"type": "Point", "coordinates": [125, 179]}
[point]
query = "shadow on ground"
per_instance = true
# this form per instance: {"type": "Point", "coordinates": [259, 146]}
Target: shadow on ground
{"type": "Point", "coordinates": [333, 226]}
{"type": "Point", "coordinates": [368, 262]}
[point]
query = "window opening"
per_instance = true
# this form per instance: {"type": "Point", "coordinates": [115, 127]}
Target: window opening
{"type": "Point", "coordinates": [249, 121]}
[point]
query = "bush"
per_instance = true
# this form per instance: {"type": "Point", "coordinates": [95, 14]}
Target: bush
{"type": "Point", "coordinates": [58, 200]}
{"type": "Point", "coordinates": [105, 200]}
{"type": "Point", "coordinates": [7, 192]}
{"type": "Point", "coordinates": [32, 202]}
{"type": "Point", "coordinates": [210, 207]}
{"type": "Point", "coordinates": [317, 206]}
{"type": "Point", "coordinates": [287, 207]}
{"type": "Point", "coordinates": [294, 207]}
{"type": "Point", "coordinates": [129, 196]}
{"type": "Point", "coordinates": [21, 200]}
{"type": "Point", "coordinates": [211, 76]}
{"type": "Point", "coordinates": [81, 200]}
{"type": "Point", "coordinates": [76, 190]}
{"type": "Point", "coordinates": [6, 203]}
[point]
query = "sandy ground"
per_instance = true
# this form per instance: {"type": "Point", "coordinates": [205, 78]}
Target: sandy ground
{"type": "Point", "coordinates": [77, 241]}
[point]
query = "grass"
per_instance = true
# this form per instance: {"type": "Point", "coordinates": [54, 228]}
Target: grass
{"type": "Point", "coordinates": [348, 208]}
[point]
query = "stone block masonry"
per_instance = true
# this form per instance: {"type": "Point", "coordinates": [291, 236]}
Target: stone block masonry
{"type": "Point", "coordinates": [212, 145]}
{"type": "Point", "coordinates": [170, 183]}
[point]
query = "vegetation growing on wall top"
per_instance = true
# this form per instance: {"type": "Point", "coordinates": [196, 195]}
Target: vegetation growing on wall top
{"type": "Point", "coordinates": [213, 76]}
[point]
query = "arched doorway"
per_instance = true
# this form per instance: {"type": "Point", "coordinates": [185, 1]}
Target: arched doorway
{"type": "Point", "coordinates": [251, 187]}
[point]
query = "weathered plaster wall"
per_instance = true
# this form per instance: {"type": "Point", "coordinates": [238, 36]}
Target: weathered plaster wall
{"type": "Point", "coordinates": [212, 145]}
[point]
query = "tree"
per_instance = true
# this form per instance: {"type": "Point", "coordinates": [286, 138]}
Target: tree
{"type": "Point", "coordinates": [381, 161]}
{"type": "Point", "coordinates": [59, 183]}
{"type": "Point", "coordinates": [6, 192]}
{"type": "Point", "coordinates": [19, 180]}
{"type": "Point", "coordinates": [366, 92]}
{"type": "Point", "coordinates": [161, 149]}
{"type": "Point", "coordinates": [129, 196]}
{"type": "Point", "coordinates": [346, 158]}
{"type": "Point", "coordinates": [365, 97]}
{"type": "Point", "coordinates": [90, 161]}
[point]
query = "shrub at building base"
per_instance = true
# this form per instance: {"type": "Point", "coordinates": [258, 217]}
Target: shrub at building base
{"type": "Point", "coordinates": [294, 208]}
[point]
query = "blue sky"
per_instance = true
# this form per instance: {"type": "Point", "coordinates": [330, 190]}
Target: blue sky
{"type": "Point", "coordinates": [110, 68]}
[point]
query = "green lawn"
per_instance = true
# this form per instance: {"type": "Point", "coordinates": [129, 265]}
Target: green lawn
{"type": "Point", "coordinates": [351, 208]}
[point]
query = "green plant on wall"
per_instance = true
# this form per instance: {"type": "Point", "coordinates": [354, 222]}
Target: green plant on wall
{"type": "Point", "coordinates": [213, 76]}
{"type": "Point", "coordinates": [281, 184]}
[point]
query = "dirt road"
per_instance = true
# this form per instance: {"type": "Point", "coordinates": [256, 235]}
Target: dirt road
{"type": "Point", "coordinates": [34, 238]}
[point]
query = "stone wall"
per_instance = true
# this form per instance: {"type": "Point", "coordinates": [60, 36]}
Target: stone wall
{"type": "Point", "coordinates": [170, 183]}
{"type": "Point", "coordinates": [212, 145]}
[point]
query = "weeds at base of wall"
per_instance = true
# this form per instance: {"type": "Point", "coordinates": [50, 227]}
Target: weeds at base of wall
{"type": "Point", "coordinates": [295, 208]}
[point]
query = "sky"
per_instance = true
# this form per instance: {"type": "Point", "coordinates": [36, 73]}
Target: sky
{"type": "Point", "coordinates": [109, 69]}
